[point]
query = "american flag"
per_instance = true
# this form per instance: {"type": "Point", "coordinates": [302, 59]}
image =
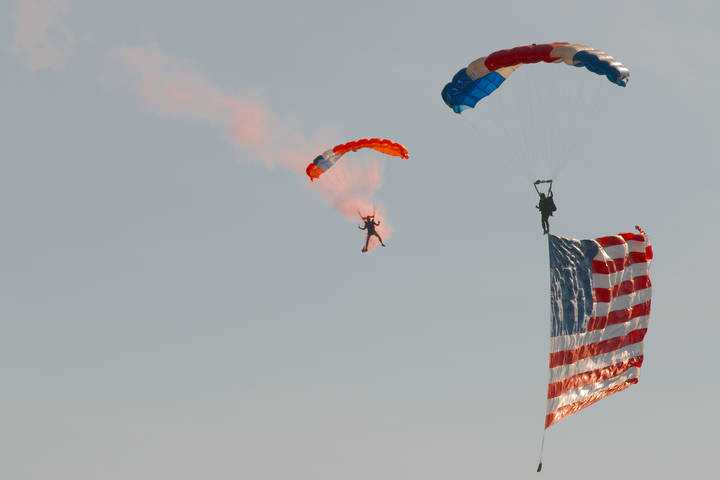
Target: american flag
{"type": "Point", "coordinates": [600, 300]}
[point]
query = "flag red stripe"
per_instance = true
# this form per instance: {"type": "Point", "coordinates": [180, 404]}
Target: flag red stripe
{"type": "Point", "coordinates": [593, 376]}
{"type": "Point", "coordinates": [610, 241]}
{"type": "Point", "coordinates": [566, 357]}
{"type": "Point", "coordinates": [632, 236]}
{"type": "Point", "coordinates": [606, 294]}
{"type": "Point", "coordinates": [617, 264]}
{"type": "Point", "coordinates": [619, 316]}
{"type": "Point", "coordinates": [624, 238]}
{"type": "Point", "coordinates": [567, 410]}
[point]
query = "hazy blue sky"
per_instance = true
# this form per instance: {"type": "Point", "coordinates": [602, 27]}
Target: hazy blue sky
{"type": "Point", "coordinates": [173, 308]}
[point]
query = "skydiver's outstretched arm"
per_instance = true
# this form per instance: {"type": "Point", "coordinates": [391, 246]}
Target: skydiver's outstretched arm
{"type": "Point", "coordinates": [362, 228]}
{"type": "Point", "coordinates": [536, 189]}
{"type": "Point", "coordinates": [550, 189]}
{"type": "Point", "coordinates": [376, 223]}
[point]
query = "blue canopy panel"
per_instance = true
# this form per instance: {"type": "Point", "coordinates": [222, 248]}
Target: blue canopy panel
{"type": "Point", "coordinates": [602, 64]}
{"type": "Point", "coordinates": [464, 92]}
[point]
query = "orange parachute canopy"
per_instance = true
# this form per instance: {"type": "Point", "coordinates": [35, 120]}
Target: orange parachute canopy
{"type": "Point", "coordinates": [382, 145]}
{"type": "Point", "coordinates": [323, 162]}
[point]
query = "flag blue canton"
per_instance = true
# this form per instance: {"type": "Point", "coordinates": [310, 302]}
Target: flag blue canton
{"type": "Point", "coordinates": [571, 284]}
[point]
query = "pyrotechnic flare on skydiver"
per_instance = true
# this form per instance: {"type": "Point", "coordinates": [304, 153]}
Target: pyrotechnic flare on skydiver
{"type": "Point", "coordinates": [546, 205]}
{"type": "Point", "coordinates": [370, 225]}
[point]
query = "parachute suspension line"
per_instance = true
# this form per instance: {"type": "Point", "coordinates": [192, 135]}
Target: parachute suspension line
{"type": "Point", "coordinates": [522, 112]}
{"type": "Point", "coordinates": [512, 128]}
{"type": "Point", "coordinates": [508, 104]}
{"type": "Point", "coordinates": [542, 447]}
{"type": "Point", "coordinates": [522, 150]}
{"type": "Point", "coordinates": [576, 94]}
{"type": "Point", "coordinates": [535, 124]}
{"type": "Point", "coordinates": [506, 130]}
{"type": "Point", "coordinates": [472, 124]}
{"type": "Point", "coordinates": [583, 95]}
{"type": "Point", "coordinates": [542, 443]}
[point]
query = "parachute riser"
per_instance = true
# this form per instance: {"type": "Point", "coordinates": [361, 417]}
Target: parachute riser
{"type": "Point", "coordinates": [538, 182]}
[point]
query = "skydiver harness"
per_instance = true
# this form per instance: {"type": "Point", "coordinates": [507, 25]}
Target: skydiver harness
{"type": "Point", "coordinates": [545, 205]}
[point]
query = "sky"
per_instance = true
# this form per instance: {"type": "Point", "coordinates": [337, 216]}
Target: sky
{"type": "Point", "coordinates": [178, 300]}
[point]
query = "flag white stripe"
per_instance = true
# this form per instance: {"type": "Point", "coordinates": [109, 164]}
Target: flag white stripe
{"type": "Point", "coordinates": [577, 340]}
{"type": "Point", "coordinates": [608, 280]}
{"type": "Point", "coordinates": [579, 394]}
{"type": "Point", "coordinates": [593, 363]}
{"type": "Point", "coordinates": [614, 252]}
{"type": "Point", "coordinates": [600, 309]}
{"type": "Point", "coordinates": [637, 245]}
{"type": "Point", "coordinates": [620, 251]}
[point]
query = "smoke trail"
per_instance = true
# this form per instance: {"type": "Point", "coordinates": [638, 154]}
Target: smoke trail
{"type": "Point", "coordinates": [170, 86]}
{"type": "Point", "coordinates": [41, 39]}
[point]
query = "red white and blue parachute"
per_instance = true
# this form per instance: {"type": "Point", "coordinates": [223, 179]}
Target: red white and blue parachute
{"type": "Point", "coordinates": [486, 74]}
{"type": "Point", "coordinates": [323, 162]}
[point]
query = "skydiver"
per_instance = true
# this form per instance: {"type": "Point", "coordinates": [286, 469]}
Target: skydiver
{"type": "Point", "coordinates": [370, 225]}
{"type": "Point", "coordinates": [546, 205]}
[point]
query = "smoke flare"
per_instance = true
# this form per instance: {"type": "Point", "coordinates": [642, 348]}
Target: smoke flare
{"type": "Point", "coordinates": [170, 86]}
{"type": "Point", "coordinates": [41, 39]}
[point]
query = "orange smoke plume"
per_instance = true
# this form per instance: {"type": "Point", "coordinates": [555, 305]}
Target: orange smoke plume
{"type": "Point", "coordinates": [170, 86]}
{"type": "Point", "coordinates": [41, 39]}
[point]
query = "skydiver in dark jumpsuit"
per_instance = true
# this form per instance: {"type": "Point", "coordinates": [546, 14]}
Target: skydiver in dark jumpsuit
{"type": "Point", "coordinates": [370, 225]}
{"type": "Point", "coordinates": [546, 205]}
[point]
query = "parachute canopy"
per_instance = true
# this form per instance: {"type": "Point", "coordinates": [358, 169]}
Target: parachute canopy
{"type": "Point", "coordinates": [486, 74]}
{"type": "Point", "coordinates": [328, 158]}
